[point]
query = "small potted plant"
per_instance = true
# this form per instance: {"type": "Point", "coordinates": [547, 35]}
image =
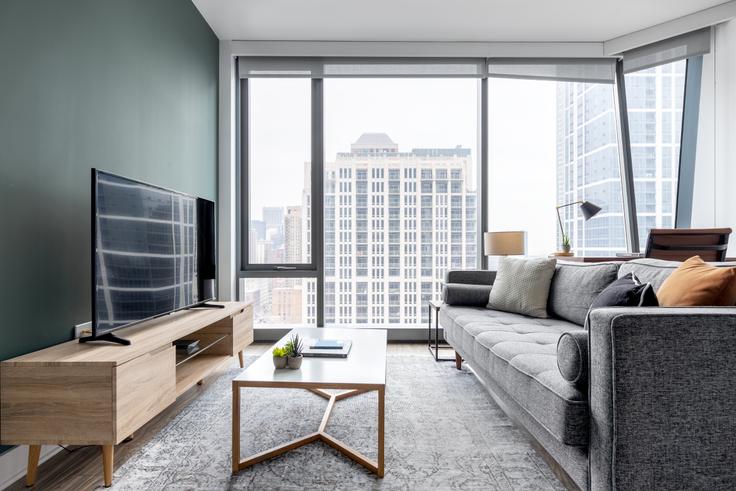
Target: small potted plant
{"type": "Point", "coordinates": [294, 348]}
{"type": "Point", "coordinates": [566, 243]}
{"type": "Point", "coordinates": [279, 357]}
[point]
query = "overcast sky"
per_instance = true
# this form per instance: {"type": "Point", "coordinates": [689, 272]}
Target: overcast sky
{"type": "Point", "coordinates": [415, 113]}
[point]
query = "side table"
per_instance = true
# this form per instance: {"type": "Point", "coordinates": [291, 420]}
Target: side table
{"type": "Point", "coordinates": [435, 305]}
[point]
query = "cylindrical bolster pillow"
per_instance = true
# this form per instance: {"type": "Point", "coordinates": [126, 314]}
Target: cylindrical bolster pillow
{"type": "Point", "coordinates": [466, 295]}
{"type": "Point", "coordinates": [572, 357]}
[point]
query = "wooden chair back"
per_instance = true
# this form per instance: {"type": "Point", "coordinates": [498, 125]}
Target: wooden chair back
{"type": "Point", "coordinates": [679, 244]}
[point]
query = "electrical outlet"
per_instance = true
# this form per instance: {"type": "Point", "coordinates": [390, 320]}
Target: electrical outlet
{"type": "Point", "coordinates": [84, 329]}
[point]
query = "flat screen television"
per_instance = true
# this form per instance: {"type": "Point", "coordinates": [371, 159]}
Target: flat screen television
{"type": "Point", "coordinates": [153, 253]}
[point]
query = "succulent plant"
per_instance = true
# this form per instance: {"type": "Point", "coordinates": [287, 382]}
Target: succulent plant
{"type": "Point", "coordinates": [294, 346]}
{"type": "Point", "coordinates": [566, 241]}
{"type": "Point", "coordinates": [279, 352]}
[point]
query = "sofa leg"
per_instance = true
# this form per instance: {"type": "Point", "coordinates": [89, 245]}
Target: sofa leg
{"type": "Point", "coordinates": [458, 361]}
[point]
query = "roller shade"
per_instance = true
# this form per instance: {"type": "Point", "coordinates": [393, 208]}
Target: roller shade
{"type": "Point", "coordinates": [249, 67]}
{"type": "Point", "coordinates": [573, 70]}
{"type": "Point", "coordinates": [674, 49]}
{"type": "Point", "coordinates": [565, 70]}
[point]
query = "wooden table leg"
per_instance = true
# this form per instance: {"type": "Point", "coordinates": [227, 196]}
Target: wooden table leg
{"type": "Point", "coordinates": [34, 452]}
{"type": "Point", "coordinates": [107, 460]}
{"type": "Point", "coordinates": [240, 358]}
{"type": "Point", "coordinates": [236, 428]}
{"type": "Point", "coordinates": [381, 431]}
{"type": "Point", "coordinates": [458, 361]}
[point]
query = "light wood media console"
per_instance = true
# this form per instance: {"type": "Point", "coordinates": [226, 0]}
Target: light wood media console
{"type": "Point", "coordinates": [100, 393]}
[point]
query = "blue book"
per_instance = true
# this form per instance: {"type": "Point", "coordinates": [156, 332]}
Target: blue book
{"type": "Point", "coordinates": [327, 344]}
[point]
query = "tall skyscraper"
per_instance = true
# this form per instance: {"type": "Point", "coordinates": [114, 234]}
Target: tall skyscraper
{"type": "Point", "coordinates": [293, 235]}
{"type": "Point", "coordinates": [587, 155]}
{"type": "Point", "coordinates": [588, 167]}
{"type": "Point", "coordinates": [394, 223]}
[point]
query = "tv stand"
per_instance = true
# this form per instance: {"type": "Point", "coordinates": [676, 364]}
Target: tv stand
{"type": "Point", "coordinates": [108, 336]}
{"type": "Point", "coordinates": [98, 394]}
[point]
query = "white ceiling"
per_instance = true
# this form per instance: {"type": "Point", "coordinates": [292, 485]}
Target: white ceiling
{"type": "Point", "coordinates": [439, 20]}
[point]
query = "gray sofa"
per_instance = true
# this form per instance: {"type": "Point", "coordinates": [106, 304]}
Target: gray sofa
{"type": "Point", "coordinates": [658, 407]}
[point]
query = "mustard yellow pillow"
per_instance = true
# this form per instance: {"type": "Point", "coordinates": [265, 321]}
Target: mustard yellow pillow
{"type": "Point", "coordinates": [695, 283]}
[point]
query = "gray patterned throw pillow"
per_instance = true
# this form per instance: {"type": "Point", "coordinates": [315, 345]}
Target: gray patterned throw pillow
{"type": "Point", "coordinates": [522, 285]}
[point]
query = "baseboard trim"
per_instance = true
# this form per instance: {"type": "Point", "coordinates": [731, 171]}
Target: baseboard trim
{"type": "Point", "coordinates": [14, 462]}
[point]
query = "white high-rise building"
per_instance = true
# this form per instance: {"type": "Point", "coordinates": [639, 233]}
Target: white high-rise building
{"type": "Point", "coordinates": [394, 223]}
{"type": "Point", "coordinates": [293, 234]}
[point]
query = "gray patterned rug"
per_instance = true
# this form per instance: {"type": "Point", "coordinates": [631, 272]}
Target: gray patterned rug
{"type": "Point", "coordinates": [442, 432]}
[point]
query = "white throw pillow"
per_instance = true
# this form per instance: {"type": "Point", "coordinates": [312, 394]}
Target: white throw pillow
{"type": "Point", "coordinates": [522, 285]}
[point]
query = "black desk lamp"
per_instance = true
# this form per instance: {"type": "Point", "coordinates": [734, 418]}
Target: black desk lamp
{"type": "Point", "coordinates": [589, 211]}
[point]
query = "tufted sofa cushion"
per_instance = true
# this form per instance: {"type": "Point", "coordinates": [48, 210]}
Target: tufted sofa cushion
{"type": "Point", "coordinates": [520, 353]}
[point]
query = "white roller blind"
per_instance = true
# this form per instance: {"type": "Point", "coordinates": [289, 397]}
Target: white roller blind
{"type": "Point", "coordinates": [250, 67]}
{"type": "Point", "coordinates": [677, 48]}
{"type": "Point", "coordinates": [566, 70]}
{"type": "Point", "coordinates": [403, 67]}
{"type": "Point", "coordinates": [577, 70]}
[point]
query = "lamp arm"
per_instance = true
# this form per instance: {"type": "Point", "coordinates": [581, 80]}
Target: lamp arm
{"type": "Point", "coordinates": [569, 204]}
{"type": "Point", "coordinates": [559, 219]}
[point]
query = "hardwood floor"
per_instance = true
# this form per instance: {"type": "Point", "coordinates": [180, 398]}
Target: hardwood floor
{"type": "Point", "coordinates": [82, 468]}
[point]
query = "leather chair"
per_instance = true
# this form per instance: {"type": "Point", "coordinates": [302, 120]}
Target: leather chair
{"type": "Point", "coordinates": [679, 244]}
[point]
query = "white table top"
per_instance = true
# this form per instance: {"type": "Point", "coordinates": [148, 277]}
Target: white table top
{"type": "Point", "coordinates": [365, 365]}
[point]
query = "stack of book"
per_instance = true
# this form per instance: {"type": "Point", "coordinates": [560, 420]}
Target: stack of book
{"type": "Point", "coordinates": [328, 348]}
{"type": "Point", "coordinates": [187, 346]}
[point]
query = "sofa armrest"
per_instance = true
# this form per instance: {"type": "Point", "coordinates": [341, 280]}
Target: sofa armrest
{"type": "Point", "coordinates": [465, 294]}
{"type": "Point", "coordinates": [470, 276]}
{"type": "Point", "coordinates": [572, 357]}
{"type": "Point", "coordinates": [662, 396]}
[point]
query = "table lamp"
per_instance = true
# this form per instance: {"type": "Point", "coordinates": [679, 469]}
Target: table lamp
{"type": "Point", "coordinates": [511, 243]}
{"type": "Point", "coordinates": [589, 211]}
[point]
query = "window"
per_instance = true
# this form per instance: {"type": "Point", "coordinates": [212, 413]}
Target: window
{"type": "Point", "coordinates": [280, 301]}
{"type": "Point", "coordinates": [554, 143]}
{"type": "Point", "coordinates": [371, 218]}
{"type": "Point", "coordinates": [655, 98]}
{"type": "Point", "coordinates": [393, 132]}
{"type": "Point", "coordinates": [279, 204]}
{"type": "Point", "coordinates": [278, 174]}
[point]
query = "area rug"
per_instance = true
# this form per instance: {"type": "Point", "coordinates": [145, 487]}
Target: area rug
{"type": "Point", "coordinates": [443, 431]}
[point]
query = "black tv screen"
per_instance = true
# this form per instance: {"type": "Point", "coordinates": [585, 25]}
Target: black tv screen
{"type": "Point", "coordinates": [153, 251]}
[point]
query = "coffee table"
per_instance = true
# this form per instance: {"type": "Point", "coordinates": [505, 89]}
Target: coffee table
{"type": "Point", "coordinates": [364, 370]}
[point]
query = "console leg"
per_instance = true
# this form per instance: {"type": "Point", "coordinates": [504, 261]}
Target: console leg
{"type": "Point", "coordinates": [34, 452]}
{"type": "Point", "coordinates": [240, 358]}
{"type": "Point", "coordinates": [458, 361]}
{"type": "Point", "coordinates": [107, 459]}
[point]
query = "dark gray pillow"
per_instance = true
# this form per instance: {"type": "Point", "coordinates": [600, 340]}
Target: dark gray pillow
{"type": "Point", "coordinates": [572, 357]}
{"type": "Point", "coordinates": [466, 295]}
{"type": "Point", "coordinates": [626, 291]}
{"type": "Point", "coordinates": [575, 286]}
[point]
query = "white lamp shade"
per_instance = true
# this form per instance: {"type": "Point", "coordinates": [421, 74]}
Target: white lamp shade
{"type": "Point", "coordinates": [511, 243]}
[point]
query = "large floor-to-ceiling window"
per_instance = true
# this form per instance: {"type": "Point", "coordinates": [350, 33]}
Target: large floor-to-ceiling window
{"type": "Point", "coordinates": [655, 98]}
{"type": "Point", "coordinates": [553, 143]}
{"type": "Point", "coordinates": [400, 195]}
{"type": "Point", "coordinates": [278, 201]}
{"type": "Point", "coordinates": [362, 181]}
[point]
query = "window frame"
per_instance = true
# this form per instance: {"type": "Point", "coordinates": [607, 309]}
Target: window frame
{"type": "Point", "coordinates": [315, 268]}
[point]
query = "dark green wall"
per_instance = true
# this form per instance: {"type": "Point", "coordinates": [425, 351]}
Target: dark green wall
{"type": "Point", "coordinates": [129, 86]}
